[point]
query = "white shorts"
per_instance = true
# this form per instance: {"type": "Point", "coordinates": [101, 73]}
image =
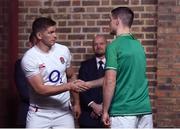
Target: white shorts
{"type": "Point", "coordinates": [46, 118]}
{"type": "Point", "coordinates": [140, 121]}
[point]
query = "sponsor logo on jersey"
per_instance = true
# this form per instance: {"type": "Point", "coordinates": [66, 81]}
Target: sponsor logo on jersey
{"type": "Point", "coordinates": [62, 60]}
{"type": "Point", "coordinates": [42, 66]}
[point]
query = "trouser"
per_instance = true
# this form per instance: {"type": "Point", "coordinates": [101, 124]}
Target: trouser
{"type": "Point", "coordinates": [46, 118]}
{"type": "Point", "coordinates": [139, 121]}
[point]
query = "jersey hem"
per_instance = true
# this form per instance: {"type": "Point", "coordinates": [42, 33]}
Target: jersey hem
{"type": "Point", "coordinates": [111, 68]}
{"type": "Point", "coordinates": [133, 114]}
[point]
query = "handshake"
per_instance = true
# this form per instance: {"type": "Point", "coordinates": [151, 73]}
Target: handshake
{"type": "Point", "coordinates": [79, 86]}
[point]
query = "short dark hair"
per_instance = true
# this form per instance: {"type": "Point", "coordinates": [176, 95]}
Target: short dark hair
{"type": "Point", "coordinates": [125, 14]}
{"type": "Point", "coordinates": [42, 23]}
{"type": "Point", "coordinates": [32, 38]}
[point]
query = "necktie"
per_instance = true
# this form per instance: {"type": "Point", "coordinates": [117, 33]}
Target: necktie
{"type": "Point", "coordinates": [100, 69]}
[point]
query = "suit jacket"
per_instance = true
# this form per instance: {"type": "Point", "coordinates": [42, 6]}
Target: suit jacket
{"type": "Point", "coordinates": [87, 72]}
{"type": "Point", "coordinates": [22, 87]}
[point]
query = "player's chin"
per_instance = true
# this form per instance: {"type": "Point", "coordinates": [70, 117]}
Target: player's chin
{"type": "Point", "coordinates": [52, 43]}
{"type": "Point", "coordinates": [99, 54]}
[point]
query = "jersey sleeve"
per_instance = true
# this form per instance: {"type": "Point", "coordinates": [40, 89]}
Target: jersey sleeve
{"type": "Point", "coordinates": [29, 66]}
{"type": "Point", "coordinates": [111, 57]}
{"type": "Point", "coordinates": [69, 58]}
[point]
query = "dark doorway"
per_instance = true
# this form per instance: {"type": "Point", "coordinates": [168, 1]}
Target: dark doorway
{"type": "Point", "coordinates": [8, 55]}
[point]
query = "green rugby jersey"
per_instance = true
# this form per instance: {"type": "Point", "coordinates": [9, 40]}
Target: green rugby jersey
{"type": "Point", "coordinates": [126, 56]}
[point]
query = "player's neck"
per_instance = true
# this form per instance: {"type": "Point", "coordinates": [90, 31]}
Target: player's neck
{"type": "Point", "coordinates": [43, 47]}
{"type": "Point", "coordinates": [122, 31]}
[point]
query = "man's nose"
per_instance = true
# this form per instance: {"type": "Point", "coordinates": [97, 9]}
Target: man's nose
{"type": "Point", "coordinates": [98, 46]}
{"type": "Point", "coordinates": [55, 35]}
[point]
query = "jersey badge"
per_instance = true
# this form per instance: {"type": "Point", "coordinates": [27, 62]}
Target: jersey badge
{"type": "Point", "coordinates": [42, 66]}
{"type": "Point", "coordinates": [62, 60]}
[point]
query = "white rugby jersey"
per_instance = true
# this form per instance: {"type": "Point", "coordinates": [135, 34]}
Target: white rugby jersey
{"type": "Point", "coordinates": [52, 67]}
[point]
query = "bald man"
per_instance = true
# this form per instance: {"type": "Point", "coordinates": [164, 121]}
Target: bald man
{"type": "Point", "coordinates": [91, 100]}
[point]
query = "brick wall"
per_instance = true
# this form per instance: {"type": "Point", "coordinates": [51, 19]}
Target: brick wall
{"type": "Point", "coordinates": [168, 73]}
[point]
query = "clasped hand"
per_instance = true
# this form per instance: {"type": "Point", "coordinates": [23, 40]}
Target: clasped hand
{"type": "Point", "coordinates": [79, 86]}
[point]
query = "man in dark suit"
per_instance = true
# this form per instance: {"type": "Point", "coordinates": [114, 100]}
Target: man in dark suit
{"type": "Point", "coordinates": [22, 87]}
{"type": "Point", "coordinates": [91, 100]}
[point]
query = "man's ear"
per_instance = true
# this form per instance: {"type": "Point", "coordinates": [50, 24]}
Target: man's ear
{"type": "Point", "coordinates": [39, 35]}
{"type": "Point", "coordinates": [119, 22]}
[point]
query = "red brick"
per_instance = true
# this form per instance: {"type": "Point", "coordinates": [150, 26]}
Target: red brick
{"type": "Point", "coordinates": [102, 23]}
{"type": "Point", "coordinates": [135, 2]}
{"type": "Point", "coordinates": [139, 36]}
{"type": "Point", "coordinates": [167, 2]}
{"type": "Point", "coordinates": [33, 10]}
{"type": "Point", "coordinates": [149, 42]}
{"type": "Point", "coordinates": [90, 9]}
{"type": "Point", "coordinates": [149, 2]}
{"type": "Point", "coordinates": [78, 50]}
{"type": "Point", "coordinates": [138, 22]}
{"type": "Point", "coordinates": [23, 10]}
{"type": "Point", "coordinates": [104, 9]}
{"type": "Point", "coordinates": [76, 30]}
{"type": "Point", "coordinates": [76, 16]}
{"type": "Point", "coordinates": [137, 8]}
{"type": "Point", "coordinates": [91, 16]}
{"type": "Point", "coordinates": [61, 10]}
{"type": "Point", "coordinates": [62, 37]}
{"type": "Point", "coordinates": [76, 23]}
{"type": "Point", "coordinates": [150, 36]}
{"type": "Point", "coordinates": [90, 29]}
{"type": "Point", "coordinates": [61, 3]}
{"type": "Point", "coordinates": [76, 43]}
{"type": "Point", "coordinates": [76, 3]}
{"type": "Point", "coordinates": [90, 3]}
{"type": "Point", "coordinates": [77, 56]}
{"type": "Point", "coordinates": [63, 30]}
{"type": "Point", "coordinates": [66, 43]}
{"type": "Point", "coordinates": [62, 23]}
{"type": "Point", "coordinates": [87, 43]}
{"type": "Point", "coordinates": [33, 3]}
{"type": "Point", "coordinates": [150, 22]}
{"type": "Point", "coordinates": [120, 2]}
{"type": "Point", "coordinates": [149, 29]}
{"type": "Point", "coordinates": [46, 10]}
{"type": "Point", "coordinates": [105, 16]}
{"type": "Point", "coordinates": [90, 36]}
{"type": "Point", "coordinates": [90, 23]}
{"type": "Point", "coordinates": [48, 3]}
{"type": "Point", "coordinates": [80, 9]}
{"type": "Point", "coordinates": [31, 17]}
{"type": "Point", "coordinates": [151, 8]}
{"type": "Point", "coordinates": [76, 37]}
{"type": "Point", "coordinates": [62, 16]}
{"type": "Point", "coordinates": [148, 15]}
{"type": "Point", "coordinates": [105, 2]}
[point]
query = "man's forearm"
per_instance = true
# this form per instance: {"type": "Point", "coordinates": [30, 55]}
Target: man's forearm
{"type": "Point", "coordinates": [95, 83]}
{"type": "Point", "coordinates": [75, 96]}
{"type": "Point", "coordinates": [108, 91]}
{"type": "Point", "coordinates": [72, 77]}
